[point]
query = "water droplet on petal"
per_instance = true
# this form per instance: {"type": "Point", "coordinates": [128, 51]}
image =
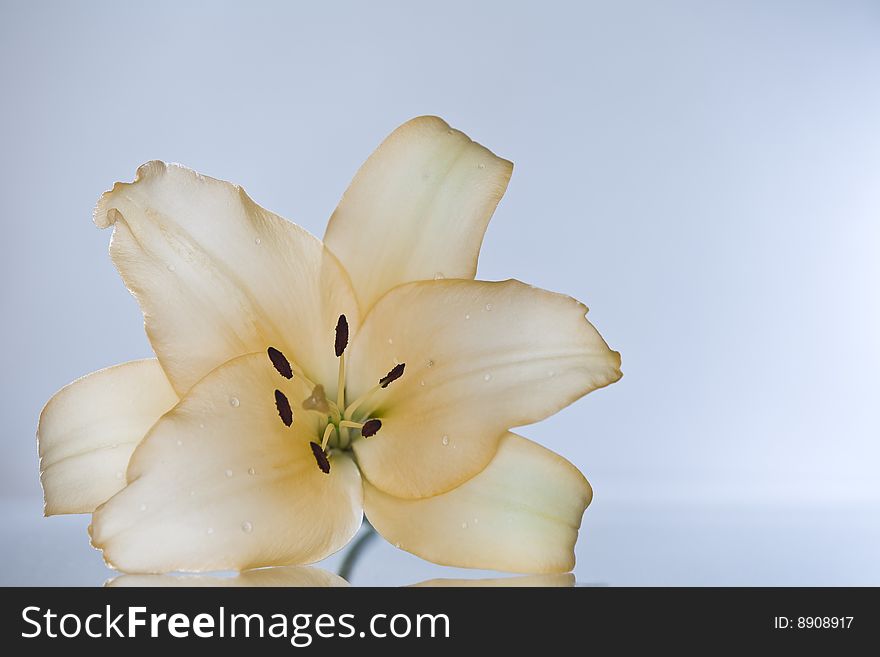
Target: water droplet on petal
{"type": "Point", "coordinates": [171, 268]}
{"type": "Point", "coordinates": [464, 525]}
{"type": "Point", "coordinates": [210, 531]}
{"type": "Point", "coordinates": [551, 374]}
{"type": "Point", "coordinates": [467, 316]}
{"type": "Point", "coordinates": [201, 425]}
{"type": "Point", "coordinates": [258, 241]}
{"type": "Point", "coordinates": [251, 471]}
{"type": "Point", "coordinates": [430, 363]}
{"type": "Point", "coordinates": [439, 276]}
{"type": "Point", "coordinates": [445, 440]}
{"type": "Point", "coordinates": [119, 474]}
{"type": "Point", "coordinates": [233, 401]}
{"type": "Point", "coordinates": [390, 341]}
{"type": "Point", "coordinates": [450, 131]}
{"type": "Point", "coordinates": [192, 493]}
{"type": "Point", "coordinates": [476, 521]}
{"type": "Point", "coordinates": [397, 545]}
{"type": "Point", "coordinates": [143, 507]}
{"type": "Point", "coordinates": [179, 442]}
{"type": "Point", "coordinates": [247, 527]}
{"type": "Point", "coordinates": [229, 473]}
{"type": "Point", "coordinates": [422, 383]}
{"type": "Point", "coordinates": [488, 307]}
{"type": "Point", "coordinates": [487, 377]}
{"type": "Point", "coordinates": [481, 165]}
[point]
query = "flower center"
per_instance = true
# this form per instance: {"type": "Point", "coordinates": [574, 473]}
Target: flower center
{"type": "Point", "coordinates": [342, 424]}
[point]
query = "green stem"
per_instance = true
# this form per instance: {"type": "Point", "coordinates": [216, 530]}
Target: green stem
{"type": "Point", "coordinates": [354, 552]}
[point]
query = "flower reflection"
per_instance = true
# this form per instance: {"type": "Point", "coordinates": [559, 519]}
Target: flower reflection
{"type": "Point", "coordinates": [305, 577]}
{"type": "Point", "coordinates": [279, 576]}
{"type": "Point", "coordinates": [308, 576]}
{"type": "Point", "coordinates": [555, 580]}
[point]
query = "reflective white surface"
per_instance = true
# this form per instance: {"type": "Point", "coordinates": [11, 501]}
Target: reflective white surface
{"type": "Point", "coordinates": [621, 545]}
{"type": "Point", "coordinates": [702, 174]}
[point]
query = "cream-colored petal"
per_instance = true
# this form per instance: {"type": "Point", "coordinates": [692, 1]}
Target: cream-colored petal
{"type": "Point", "coordinates": [554, 580]}
{"type": "Point", "coordinates": [521, 514]}
{"type": "Point", "coordinates": [217, 276]}
{"type": "Point", "coordinates": [278, 576]}
{"type": "Point", "coordinates": [220, 483]}
{"type": "Point", "coordinates": [480, 358]}
{"type": "Point", "coordinates": [89, 429]}
{"type": "Point", "coordinates": [417, 209]}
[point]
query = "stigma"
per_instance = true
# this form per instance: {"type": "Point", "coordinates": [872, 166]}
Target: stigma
{"type": "Point", "coordinates": [317, 401]}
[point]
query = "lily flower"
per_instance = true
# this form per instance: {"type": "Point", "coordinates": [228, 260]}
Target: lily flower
{"type": "Point", "coordinates": [298, 383]}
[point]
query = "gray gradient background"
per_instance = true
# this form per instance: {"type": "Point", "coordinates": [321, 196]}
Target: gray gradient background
{"type": "Point", "coordinates": [704, 175]}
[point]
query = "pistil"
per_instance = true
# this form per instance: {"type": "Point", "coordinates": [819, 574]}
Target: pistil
{"type": "Point", "coordinates": [317, 401]}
